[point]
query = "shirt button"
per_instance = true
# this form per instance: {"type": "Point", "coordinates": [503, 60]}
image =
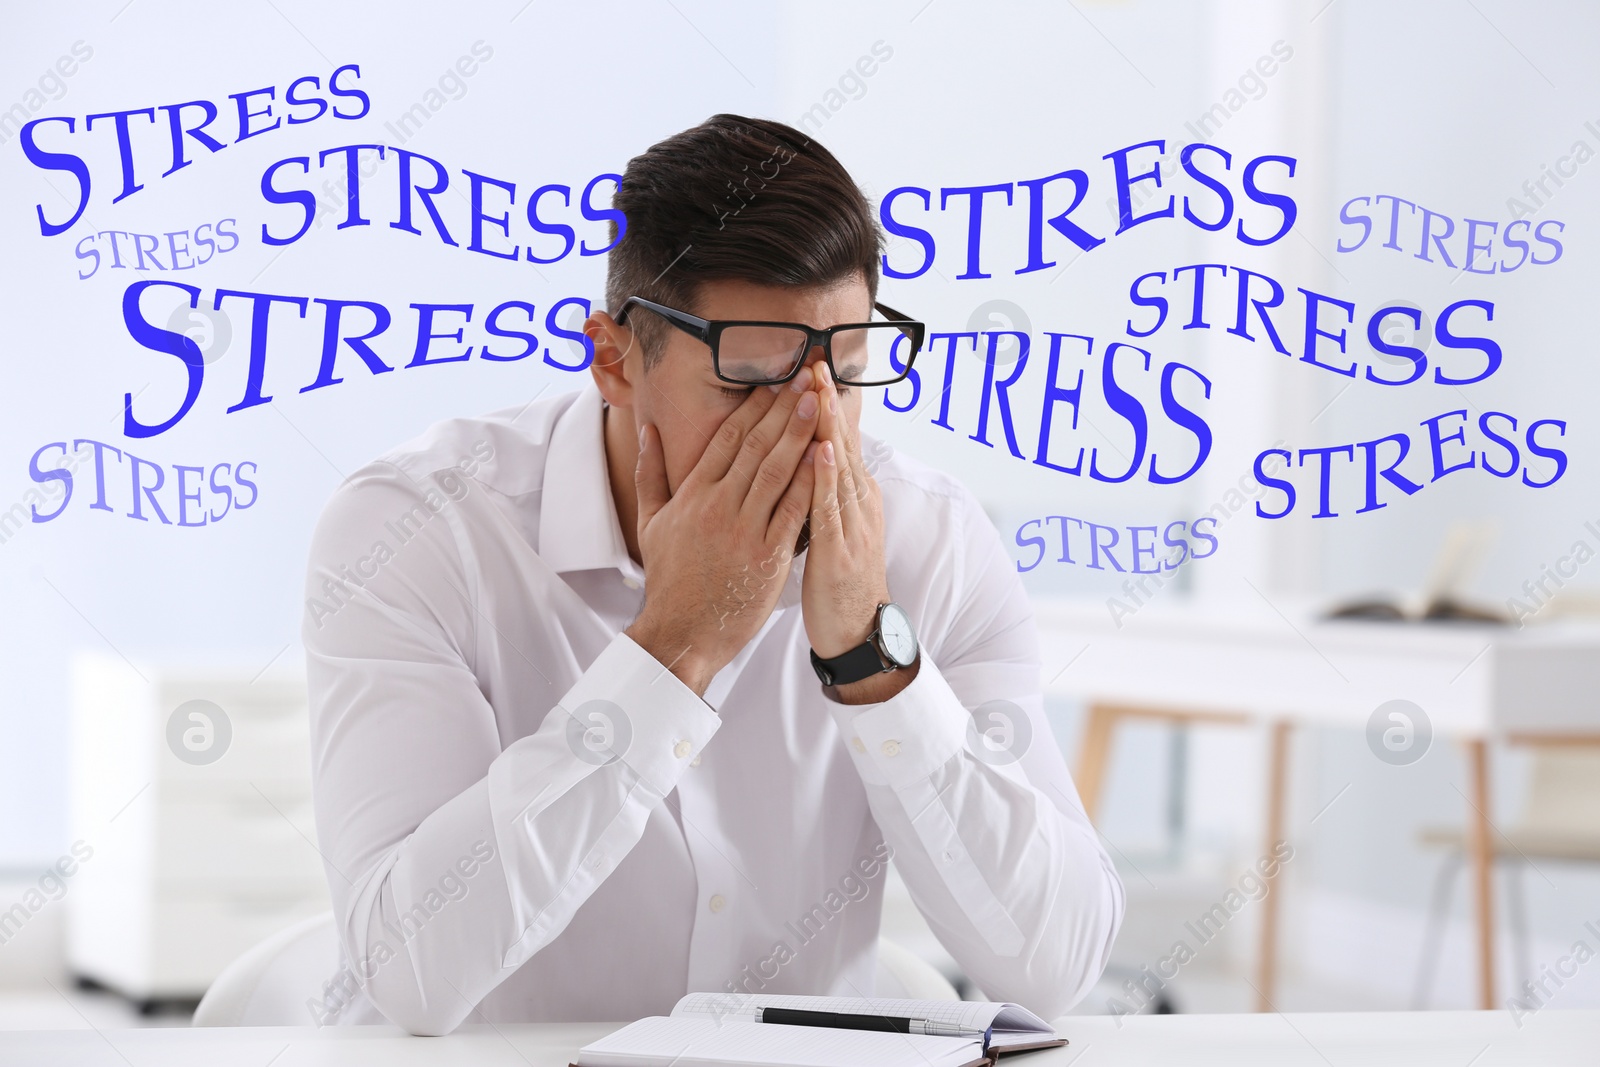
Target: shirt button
{"type": "Point", "coordinates": [855, 743]}
{"type": "Point", "coordinates": [891, 747]}
{"type": "Point", "coordinates": [695, 762]}
{"type": "Point", "coordinates": [631, 583]}
{"type": "Point", "coordinates": [716, 902]}
{"type": "Point", "coordinates": [681, 749]}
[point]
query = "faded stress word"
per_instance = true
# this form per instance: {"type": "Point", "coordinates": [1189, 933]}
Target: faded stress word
{"type": "Point", "coordinates": [1139, 546]}
{"type": "Point", "coordinates": [1429, 234]}
{"type": "Point", "coordinates": [146, 480]}
{"type": "Point", "coordinates": [149, 248]}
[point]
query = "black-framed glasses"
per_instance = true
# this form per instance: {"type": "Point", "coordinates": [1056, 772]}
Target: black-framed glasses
{"type": "Point", "coordinates": [755, 352]}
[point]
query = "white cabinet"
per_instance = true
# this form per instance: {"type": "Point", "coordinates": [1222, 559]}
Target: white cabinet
{"type": "Point", "coordinates": [196, 855]}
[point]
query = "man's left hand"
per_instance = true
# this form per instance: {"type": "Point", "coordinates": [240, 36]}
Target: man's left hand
{"type": "Point", "coordinates": [845, 577]}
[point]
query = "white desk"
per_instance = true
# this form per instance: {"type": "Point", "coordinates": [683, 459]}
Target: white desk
{"type": "Point", "coordinates": [1551, 1038]}
{"type": "Point", "coordinates": [1259, 661]}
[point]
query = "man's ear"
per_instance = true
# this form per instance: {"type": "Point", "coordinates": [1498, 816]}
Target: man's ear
{"type": "Point", "coordinates": [614, 348]}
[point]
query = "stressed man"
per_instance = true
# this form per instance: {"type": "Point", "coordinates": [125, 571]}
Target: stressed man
{"type": "Point", "coordinates": [666, 669]}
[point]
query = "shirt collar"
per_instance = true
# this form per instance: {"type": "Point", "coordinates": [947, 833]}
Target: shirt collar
{"type": "Point", "coordinates": [578, 524]}
{"type": "Point", "coordinates": [579, 528]}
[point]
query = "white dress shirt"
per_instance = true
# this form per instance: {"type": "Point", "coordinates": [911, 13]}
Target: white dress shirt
{"type": "Point", "coordinates": [487, 850]}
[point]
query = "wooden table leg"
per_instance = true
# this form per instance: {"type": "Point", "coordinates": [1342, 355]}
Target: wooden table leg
{"type": "Point", "coordinates": [1480, 853]}
{"type": "Point", "coordinates": [1095, 755]}
{"type": "Point", "coordinates": [1277, 799]}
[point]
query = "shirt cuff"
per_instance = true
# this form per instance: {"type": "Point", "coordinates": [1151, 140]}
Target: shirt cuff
{"type": "Point", "coordinates": [906, 738]}
{"type": "Point", "coordinates": [657, 724]}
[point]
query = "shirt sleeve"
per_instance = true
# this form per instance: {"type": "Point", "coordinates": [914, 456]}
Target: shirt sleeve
{"type": "Point", "coordinates": [966, 781]}
{"type": "Point", "coordinates": [414, 794]}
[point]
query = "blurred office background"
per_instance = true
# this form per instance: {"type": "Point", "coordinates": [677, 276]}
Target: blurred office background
{"type": "Point", "coordinates": [1458, 107]}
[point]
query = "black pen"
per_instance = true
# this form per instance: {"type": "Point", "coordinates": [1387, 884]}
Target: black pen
{"type": "Point", "coordinates": [893, 1024]}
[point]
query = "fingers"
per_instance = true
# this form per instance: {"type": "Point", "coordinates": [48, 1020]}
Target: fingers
{"type": "Point", "coordinates": [795, 504]}
{"type": "Point", "coordinates": [723, 448]}
{"type": "Point", "coordinates": [857, 466]}
{"type": "Point", "coordinates": [826, 522]}
{"type": "Point", "coordinates": [761, 438]}
{"type": "Point", "coordinates": [650, 475]}
{"type": "Point", "coordinates": [764, 470]}
{"type": "Point", "coordinates": [856, 469]}
{"type": "Point", "coordinates": [831, 428]}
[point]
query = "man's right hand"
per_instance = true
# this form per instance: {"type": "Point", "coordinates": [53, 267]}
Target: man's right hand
{"type": "Point", "coordinates": [717, 552]}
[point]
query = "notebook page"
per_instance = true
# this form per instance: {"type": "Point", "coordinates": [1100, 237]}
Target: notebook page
{"type": "Point", "coordinates": [972, 1016]}
{"type": "Point", "coordinates": [1014, 1017]}
{"type": "Point", "coordinates": [698, 1042]}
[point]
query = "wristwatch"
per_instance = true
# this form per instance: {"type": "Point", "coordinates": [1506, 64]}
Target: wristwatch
{"type": "Point", "coordinates": [891, 646]}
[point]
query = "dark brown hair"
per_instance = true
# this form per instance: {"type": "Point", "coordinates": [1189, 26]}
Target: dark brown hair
{"type": "Point", "coordinates": [735, 197]}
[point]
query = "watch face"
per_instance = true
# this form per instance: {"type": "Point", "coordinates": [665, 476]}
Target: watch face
{"type": "Point", "coordinates": [898, 638]}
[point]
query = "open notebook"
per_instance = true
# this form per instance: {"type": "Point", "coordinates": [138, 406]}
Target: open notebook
{"type": "Point", "coordinates": [707, 1029]}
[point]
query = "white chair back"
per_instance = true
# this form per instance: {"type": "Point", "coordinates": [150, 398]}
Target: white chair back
{"type": "Point", "coordinates": [904, 974]}
{"type": "Point", "coordinates": [270, 984]}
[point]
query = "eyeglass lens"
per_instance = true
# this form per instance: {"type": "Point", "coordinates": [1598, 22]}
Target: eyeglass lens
{"type": "Point", "coordinates": [864, 355]}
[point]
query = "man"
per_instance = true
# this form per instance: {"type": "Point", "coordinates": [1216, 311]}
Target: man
{"type": "Point", "coordinates": [573, 750]}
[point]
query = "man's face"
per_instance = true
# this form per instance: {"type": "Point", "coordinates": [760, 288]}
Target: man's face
{"type": "Point", "coordinates": [681, 393]}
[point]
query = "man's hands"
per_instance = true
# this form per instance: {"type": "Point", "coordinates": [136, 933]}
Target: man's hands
{"type": "Point", "coordinates": [717, 552]}
{"type": "Point", "coordinates": [845, 578]}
